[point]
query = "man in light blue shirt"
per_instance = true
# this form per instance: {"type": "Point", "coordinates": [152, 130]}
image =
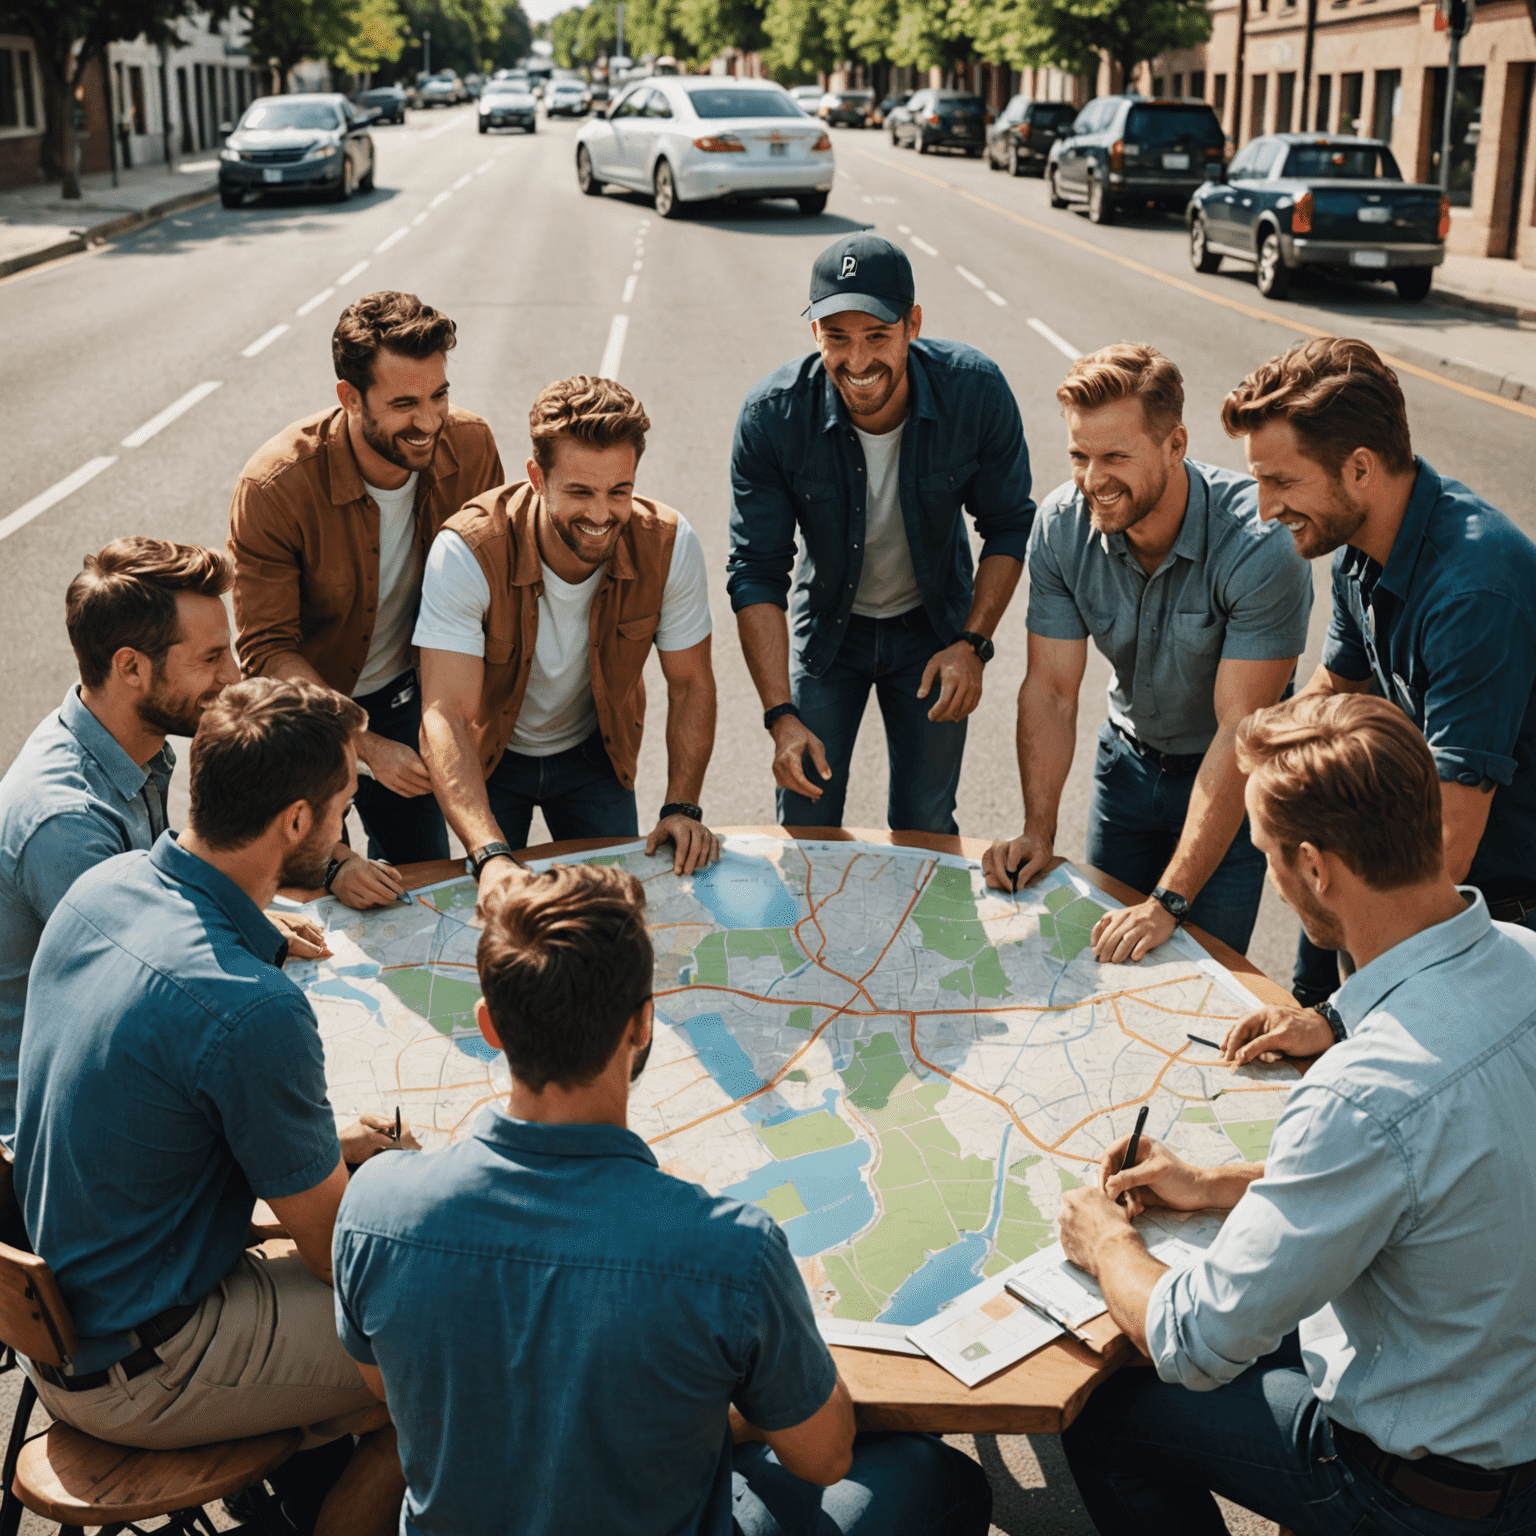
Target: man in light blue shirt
{"type": "Point", "coordinates": [1398, 1189]}
{"type": "Point", "coordinates": [147, 623]}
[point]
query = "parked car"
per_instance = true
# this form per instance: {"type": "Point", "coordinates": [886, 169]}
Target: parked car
{"type": "Point", "coordinates": [808, 98]}
{"type": "Point", "coordinates": [1293, 200]}
{"type": "Point", "coordinates": [505, 105]}
{"type": "Point", "coordinates": [883, 110]}
{"type": "Point", "coordinates": [1021, 138]}
{"type": "Point", "coordinates": [305, 142]}
{"type": "Point", "coordinates": [387, 102]}
{"type": "Point", "coordinates": [848, 109]}
{"type": "Point", "coordinates": [472, 86]}
{"type": "Point", "coordinates": [565, 98]}
{"type": "Point", "coordinates": [1127, 151]}
{"type": "Point", "coordinates": [941, 119]}
{"type": "Point", "coordinates": [440, 92]}
{"type": "Point", "coordinates": [687, 139]}
{"type": "Point", "coordinates": [599, 95]}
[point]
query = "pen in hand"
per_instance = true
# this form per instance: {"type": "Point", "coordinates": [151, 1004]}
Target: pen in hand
{"type": "Point", "coordinates": [1201, 1040]}
{"type": "Point", "coordinates": [397, 1123]}
{"type": "Point", "coordinates": [1129, 1160]}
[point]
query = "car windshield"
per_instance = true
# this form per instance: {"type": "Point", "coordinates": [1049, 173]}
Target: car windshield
{"type": "Point", "coordinates": [728, 101]}
{"type": "Point", "coordinates": [1053, 114]}
{"type": "Point", "coordinates": [855, 98]}
{"type": "Point", "coordinates": [947, 101]}
{"type": "Point", "coordinates": [502, 89]}
{"type": "Point", "coordinates": [1173, 125]}
{"type": "Point", "coordinates": [291, 114]}
{"type": "Point", "coordinates": [1342, 162]}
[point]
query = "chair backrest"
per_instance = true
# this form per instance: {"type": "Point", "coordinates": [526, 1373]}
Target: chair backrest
{"type": "Point", "coordinates": [33, 1318]}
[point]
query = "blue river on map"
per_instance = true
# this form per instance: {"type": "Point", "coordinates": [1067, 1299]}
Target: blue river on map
{"type": "Point", "coordinates": [745, 892]}
{"type": "Point", "coordinates": [836, 1199]}
{"type": "Point", "coordinates": [721, 1056]}
{"type": "Point", "coordinates": [470, 1045]}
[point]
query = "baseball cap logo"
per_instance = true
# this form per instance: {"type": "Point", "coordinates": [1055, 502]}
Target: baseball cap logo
{"type": "Point", "coordinates": [850, 267]}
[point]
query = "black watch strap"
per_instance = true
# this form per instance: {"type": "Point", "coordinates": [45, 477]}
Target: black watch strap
{"type": "Point", "coordinates": [681, 808]}
{"type": "Point", "coordinates": [984, 648]}
{"type": "Point", "coordinates": [331, 871]}
{"type": "Point", "coordinates": [777, 713]}
{"type": "Point", "coordinates": [1334, 1022]}
{"type": "Point", "coordinates": [1176, 906]}
{"type": "Point", "coordinates": [480, 857]}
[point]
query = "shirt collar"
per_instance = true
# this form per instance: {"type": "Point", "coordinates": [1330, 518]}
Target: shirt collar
{"type": "Point", "coordinates": [921, 401]}
{"type": "Point", "coordinates": [255, 929]}
{"type": "Point", "coordinates": [1191, 542]}
{"type": "Point", "coordinates": [127, 777]}
{"type": "Point", "coordinates": [1397, 575]}
{"type": "Point", "coordinates": [346, 478]}
{"type": "Point", "coordinates": [499, 1129]}
{"type": "Point", "coordinates": [1369, 987]}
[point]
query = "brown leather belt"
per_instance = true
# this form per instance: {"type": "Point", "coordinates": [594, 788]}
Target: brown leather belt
{"type": "Point", "coordinates": [1439, 1484]}
{"type": "Point", "coordinates": [1513, 910]}
{"type": "Point", "coordinates": [158, 1330]}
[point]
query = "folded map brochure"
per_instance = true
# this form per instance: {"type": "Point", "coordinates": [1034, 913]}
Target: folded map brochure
{"type": "Point", "coordinates": [987, 1328]}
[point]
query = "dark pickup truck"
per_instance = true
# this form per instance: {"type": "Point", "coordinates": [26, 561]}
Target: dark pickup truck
{"type": "Point", "coordinates": [1294, 200]}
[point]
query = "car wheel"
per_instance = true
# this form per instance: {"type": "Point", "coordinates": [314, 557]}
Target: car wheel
{"type": "Point", "coordinates": [1014, 168]}
{"type": "Point", "coordinates": [812, 203]}
{"type": "Point", "coordinates": [1101, 209]}
{"type": "Point", "coordinates": [1201, 257]}
{"type": "Point", "coordinates": [366, 184]}
{"type": "Point", "coordinates": [533, 127]}
{"type": "Point", "coordinates": [1412, 283]}
{"type": "Point", "coordinates": [585, 177]}
{"type": "Point", "coordinates": [1273, 277]}
{"type": "Point", "coordinates": [485, 127]}
{"type": "Point", "coordinates": [343, 189]}
{"type": "Point", "coordinates": [1057, 200]}
{"type": "Point", "coordinates": [231, 197]}
{"type": "Point", "coordinates": [920, 144]}
{"type": "Point", "coordinates": [893, 138]}
{"type": "Point", "coordinates": [664, 192]}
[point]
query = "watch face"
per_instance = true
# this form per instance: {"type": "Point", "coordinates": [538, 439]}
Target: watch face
{"type": "Point", "coordinates": [986, 650]}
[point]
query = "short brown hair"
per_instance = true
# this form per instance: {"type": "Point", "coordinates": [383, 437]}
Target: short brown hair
{"type": "Point", "coordinates": [594, 411]}
{"type": "Point", "coordinates": [398, 321]}
{"type": "Point", "coordinates": [262, 745]}
{"type": "Point", "coordinates": [126, 596]}
{"type": "Point", "coordinates": [1120, 372]}
{"type": "Point", "coordinates": [565, 960]}
{"type": "Point", "coordinates": [1350, 774]}
{"type": "Point", "coordinates": [1338, 396]}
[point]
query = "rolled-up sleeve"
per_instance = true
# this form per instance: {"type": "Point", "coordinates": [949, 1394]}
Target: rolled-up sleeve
{"type": "Point", "coordinates": [1335, 1187]}
{"type": "Point", "coordinates": [762, 555]}
{"type": "Point", "coordinates": [263, 545]}
{"type": "Point", "coordinates": [1344, 649]}
{"type": "Point", "coordinates": [998, 495]}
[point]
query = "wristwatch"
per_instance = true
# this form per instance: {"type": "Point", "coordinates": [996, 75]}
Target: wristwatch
{"type": "Point", "coordinates": [983, 647]}
{"type": "Point", "coordinates": [1333, 1020]}
{"type": "Point", "coordinates": [331, 871]}
{"type": "Point", "coordinates": [777, 713]}
{"type": "Point", "coordinates": [480, 857]}
{"type": "Point", "coordinates": [681, 808]}
{"type": "Point", "coordinates": [1176, 906]}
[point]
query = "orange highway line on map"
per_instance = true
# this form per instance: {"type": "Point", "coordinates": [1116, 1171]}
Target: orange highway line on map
{"type": "Point", "coordinates": [1156, 1084]}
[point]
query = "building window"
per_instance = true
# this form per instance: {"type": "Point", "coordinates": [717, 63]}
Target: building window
{"type": "Point", "coordinates": [135, 101]}
{"type": "Point", "coordinates": [1178, 85]}
{"type": "Point", "coordinates": [227, 107]}
{"type": "Point", "coordinates": [18, 96]}
{"type": "Point", "coordinates": [1197, 84]}
{"type": "Point", "coordinates": [1219, 96]}
{"type": "Point", "coordinates": [202, 120]}
{"type": "Point", "coordinates": [1285, 99]}
{"type": "Point", "coordinates": [1466, 129]}
{"type": "Point", "coordinates": [1351, 102]}
{"type": "Point", "coordinates": [1388, 103]}
{"type": "Point", "coordinates": [1258, 93]}
{"type": "Point", "coordinates": [182, 101]}
{"type": "Point", "coordinates": [1320, 123]}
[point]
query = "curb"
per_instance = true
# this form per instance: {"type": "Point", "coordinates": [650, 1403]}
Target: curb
{"type": "Point", "coordinates": [1497, 307]}
{"type": "Point", "coordinates": [108, 229]}
{"type": "Point", "coordinates": [1464, 372]}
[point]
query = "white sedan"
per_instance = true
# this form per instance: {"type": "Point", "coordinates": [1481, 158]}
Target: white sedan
{"type": "Point", "coordinates": [686, 139]}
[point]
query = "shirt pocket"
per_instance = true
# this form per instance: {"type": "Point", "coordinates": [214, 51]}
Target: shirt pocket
{"type": "Point", "coordinates": [942, 491]}
{"type": "Point", "coordinates": [814, 495]}
{"type": "Point", "coordinates": [498, 652]}
{"type": "Point", "coordinates": [640, 630]}
{"type": "Point", "coordinates": [1198, 632]}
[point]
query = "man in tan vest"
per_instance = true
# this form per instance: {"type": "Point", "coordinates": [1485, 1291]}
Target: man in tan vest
{"type": "Point", "coordinates": [540, 604]}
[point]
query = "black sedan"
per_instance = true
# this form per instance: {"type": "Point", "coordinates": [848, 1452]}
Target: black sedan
{"type": "Point", "coordinates": [941, 119]}
{"type": "Point", "coordinates": [1021, 138]}
{"type": "Point", "coordinates": [300, 143]}
{"type": "Point", "coordinates": [387, 103]}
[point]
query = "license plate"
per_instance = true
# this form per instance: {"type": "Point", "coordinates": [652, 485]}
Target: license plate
{"type": "Point", "coordinates": [1175, 162]}
{"type": "Point", "coordinates": [1373, 215]}
{"type": "Point", "coordinates": [1367, 258]}
{"type": "Point", "coordinates": [778, 149]}
{"type": "Point", "coordinates": [271, 175]}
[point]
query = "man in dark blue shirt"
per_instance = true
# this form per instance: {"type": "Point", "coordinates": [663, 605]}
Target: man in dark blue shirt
{"type": "Point", "coordinates": [868, 449]}
{"type": "Point", "coordinates": [1434, 603]}
{"type": "Point", "coordinates": [171, 1075]}
{"type": "Point", "coordinates": [571, 1339]}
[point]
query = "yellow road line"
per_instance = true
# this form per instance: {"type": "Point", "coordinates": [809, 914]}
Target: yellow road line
{"type": "Point", "coordinates": [1402, 365]}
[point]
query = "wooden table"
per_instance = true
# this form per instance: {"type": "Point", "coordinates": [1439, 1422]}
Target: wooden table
{"type": "Point", "coordinates": [1040, 1395]}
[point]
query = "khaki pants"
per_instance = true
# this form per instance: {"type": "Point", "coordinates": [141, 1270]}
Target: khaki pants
{"type": "Point", "coordinates": [259, 1354]}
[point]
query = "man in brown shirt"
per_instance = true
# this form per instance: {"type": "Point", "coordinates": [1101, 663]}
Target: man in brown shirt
{"type": "Point", "coordinates": [541, 603]}
{"type": "Point", "coordinates": [329, 529]}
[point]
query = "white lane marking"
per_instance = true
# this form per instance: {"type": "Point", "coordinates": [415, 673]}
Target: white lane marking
{"type": "Point", "coordinates": [480, 170]}
{"type": "Point", "coordinates": [1061, 344]}
{"type": "Point", "coordinates": [440, 199]}
{"type": "Point", "coordinates": [53, 495]}
{"type": "Point", "coordinates": [969, 276]}
{"type": "Point", "coordinates": [997, 299]}
{"type": "Point", "coordinates": [315, 302]}
{"type": "Point", "coordinates": [351, 272]}
{"type": "Point", "coordinates": [636, 266]}
{"type": "Point", "coordinates": [170, 413]}
{"type": "Point", "coordinates": [421, 218]}
{"type": "Point", "coordinates": [393, 239]}
{"type": "Point", "coordinates": [902, 229]}
{"type": "Point", "coordinates": [263, 342]}
{"type": "Point", "coordinates": [462, 182]}
{"type": "Point", "coordinates": [923, 246]}
{"type": "Point", "coordinates": [629, 288]}
{"type": "Point", "coordinates": [613, 353]}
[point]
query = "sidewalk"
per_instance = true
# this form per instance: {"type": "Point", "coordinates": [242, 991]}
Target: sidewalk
{"type": "Point", "coordinates": [37, 225]}
{"type": "Point", "coordinates": [1484, 282]}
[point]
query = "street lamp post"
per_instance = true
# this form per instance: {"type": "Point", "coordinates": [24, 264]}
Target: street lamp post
{"type": "Point", "coordinates": [426, 49]}
{"type": "Point", "coordinates": [1457, 20]}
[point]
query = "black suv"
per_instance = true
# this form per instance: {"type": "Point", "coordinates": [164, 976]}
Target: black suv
{"type": "Point", "coordinates": [1021, 138]}
{"type": "Point", "coordinates": [953, 119]}
{"type": "Point", "coordinates": [1128, 152]}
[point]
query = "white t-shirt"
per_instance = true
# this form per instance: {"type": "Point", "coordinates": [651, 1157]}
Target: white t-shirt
{"type": "Point", "coordinates": [887, 582]}
{"type": "Point", "coordinates": [389, 652]}
{"type": "Point", "coordinates": [558, 710]}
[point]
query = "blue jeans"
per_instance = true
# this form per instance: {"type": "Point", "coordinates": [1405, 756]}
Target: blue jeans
{"type": "Point", "coordinates": [1147, 1456]}
{"type": "Point", "coordinates": [404, 829]}
{"type": "Point", "coordinates": [899, 1485]}
{"type": "Point", "coordinates": [1134, 821]}
{"type": "Point", "coordinates": [888, 655]}
{"type": "Point", "coordinates": [577, 790]}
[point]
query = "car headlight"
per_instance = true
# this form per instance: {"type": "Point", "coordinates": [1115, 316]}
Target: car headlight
{"type": "Point", "coordinates": [323, 151]}
{"type": "Point", "coordinates": [229, 154]}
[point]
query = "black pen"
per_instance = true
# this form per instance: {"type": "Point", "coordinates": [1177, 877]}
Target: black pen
{"type": "Point", "coordinates": [1201, 1040]}
{"type": "Point", "coordinates": [1050, 1314]}
{"type": "Point", "coordinates": [1013, 877]}
{"type": "Point", "coordinates": [1129, 1160]}
{"type": "Point", "coordinates": [397, 1122]}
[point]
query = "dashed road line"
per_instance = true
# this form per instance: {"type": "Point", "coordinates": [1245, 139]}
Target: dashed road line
{"type": "Point", "coordinates": [613, 353]}
{"type": "Point", "coordinates": [903, 229]}
{"type": "Point", "coordinates": [629, 288]}
{"type": "Point", "coordinates": [263, 342]}
{"type": "Point", "coordinates": [636, 267]}
{"type": "Point", "coordinates": [390, 240]}
{"type": "Point", "coordinates": [969, 276]}
{"type": "Point", "coordinates": [54, 495]}
{"type": "Point", "coordinates": [421, 218]}
{"type": "Point", "coordinates": [462, 182]}
{"type": "Point", "coordinates": [171, 412]}
{"type": "Point", "coordinates": [997, 298]}
{"type": "Point", "coordinates": [1061, 343]}
{"type": "Point", "coordinates": [480, 170]}
{"type": "Point", "coordinates": [432, 133]}
{"type": "Point", "coordinates": [923, 246]}
{"type": "Point", "coordinates": [315, 302]}
{"type": "Point", "coordinates": [439, 200]}
{"type": "Point", "coordinates": [351, 272]}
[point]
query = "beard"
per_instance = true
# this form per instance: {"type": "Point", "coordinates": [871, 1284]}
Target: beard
{"type": "Point", "coordinates": [586, 549]}
{"type": "Point", "coordinates": [392, 450]}
{"type": "Point", "coordinates": [305, 865]}
{"type": "Point", "coordinates": [638, 1065]}
{"type": "Point", "coordinates": [1317, 922]}
{"type": "Point", "coordinates": [169, 713]}
{"type": "Point", "coordinates": [1129, 510]}
{"type": "Point", "coordinates": [866, 402]}
{"type": "Point", "coordinates": [1326, 530]}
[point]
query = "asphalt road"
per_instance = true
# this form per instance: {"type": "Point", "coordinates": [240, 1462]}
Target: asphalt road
{"type": "Point", "coordinates": [235, 308]}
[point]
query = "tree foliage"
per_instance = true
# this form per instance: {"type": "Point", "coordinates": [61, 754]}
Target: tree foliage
{"type": "Point", "coordinates": [291, 31]}
{"type": "Point", "coordinates": [1074, 34]}
{"type": "Point", "coordinates": [377, 38]}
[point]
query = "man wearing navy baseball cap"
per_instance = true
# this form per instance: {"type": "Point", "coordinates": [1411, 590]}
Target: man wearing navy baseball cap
{"type": "Point", "coordinates": [868, 448]}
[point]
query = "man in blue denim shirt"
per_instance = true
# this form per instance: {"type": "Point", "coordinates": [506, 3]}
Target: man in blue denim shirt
{"type": "Point", "coordinates": [869, 448]}
{"type": "Point", "coordinates": [1434, 601]}
{"type": "Point", "coordinates": [572, 1340]}
{"type": "Point", "coordinates": [152, 641]}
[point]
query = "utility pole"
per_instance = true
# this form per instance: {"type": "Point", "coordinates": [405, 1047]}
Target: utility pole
{"type": "Point", "coordinates": [426, 49]}
{"type": "Point", "coordinates": [619, 13]}
{"type": "Point", "coordinates": [1455, 17]}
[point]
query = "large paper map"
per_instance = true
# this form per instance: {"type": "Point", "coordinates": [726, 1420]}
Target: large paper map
{"type": "Point", "coordinates": [903, 1067]}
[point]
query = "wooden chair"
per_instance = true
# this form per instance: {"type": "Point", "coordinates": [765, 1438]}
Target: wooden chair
{"type": "Point", "coordinates": [77, 1480]}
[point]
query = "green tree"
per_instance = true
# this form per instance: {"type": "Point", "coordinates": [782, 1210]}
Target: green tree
{"type": "Point", "coordinates": [805, 38]}
{"type": "Point", "coordinates": [714, 25]}
{"type": "Point", "coordinates": [291, 31]}
{"type": "Point", "coordinates": [378, 38]}
{"type": "Point", "coordinates": [515, 37]}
